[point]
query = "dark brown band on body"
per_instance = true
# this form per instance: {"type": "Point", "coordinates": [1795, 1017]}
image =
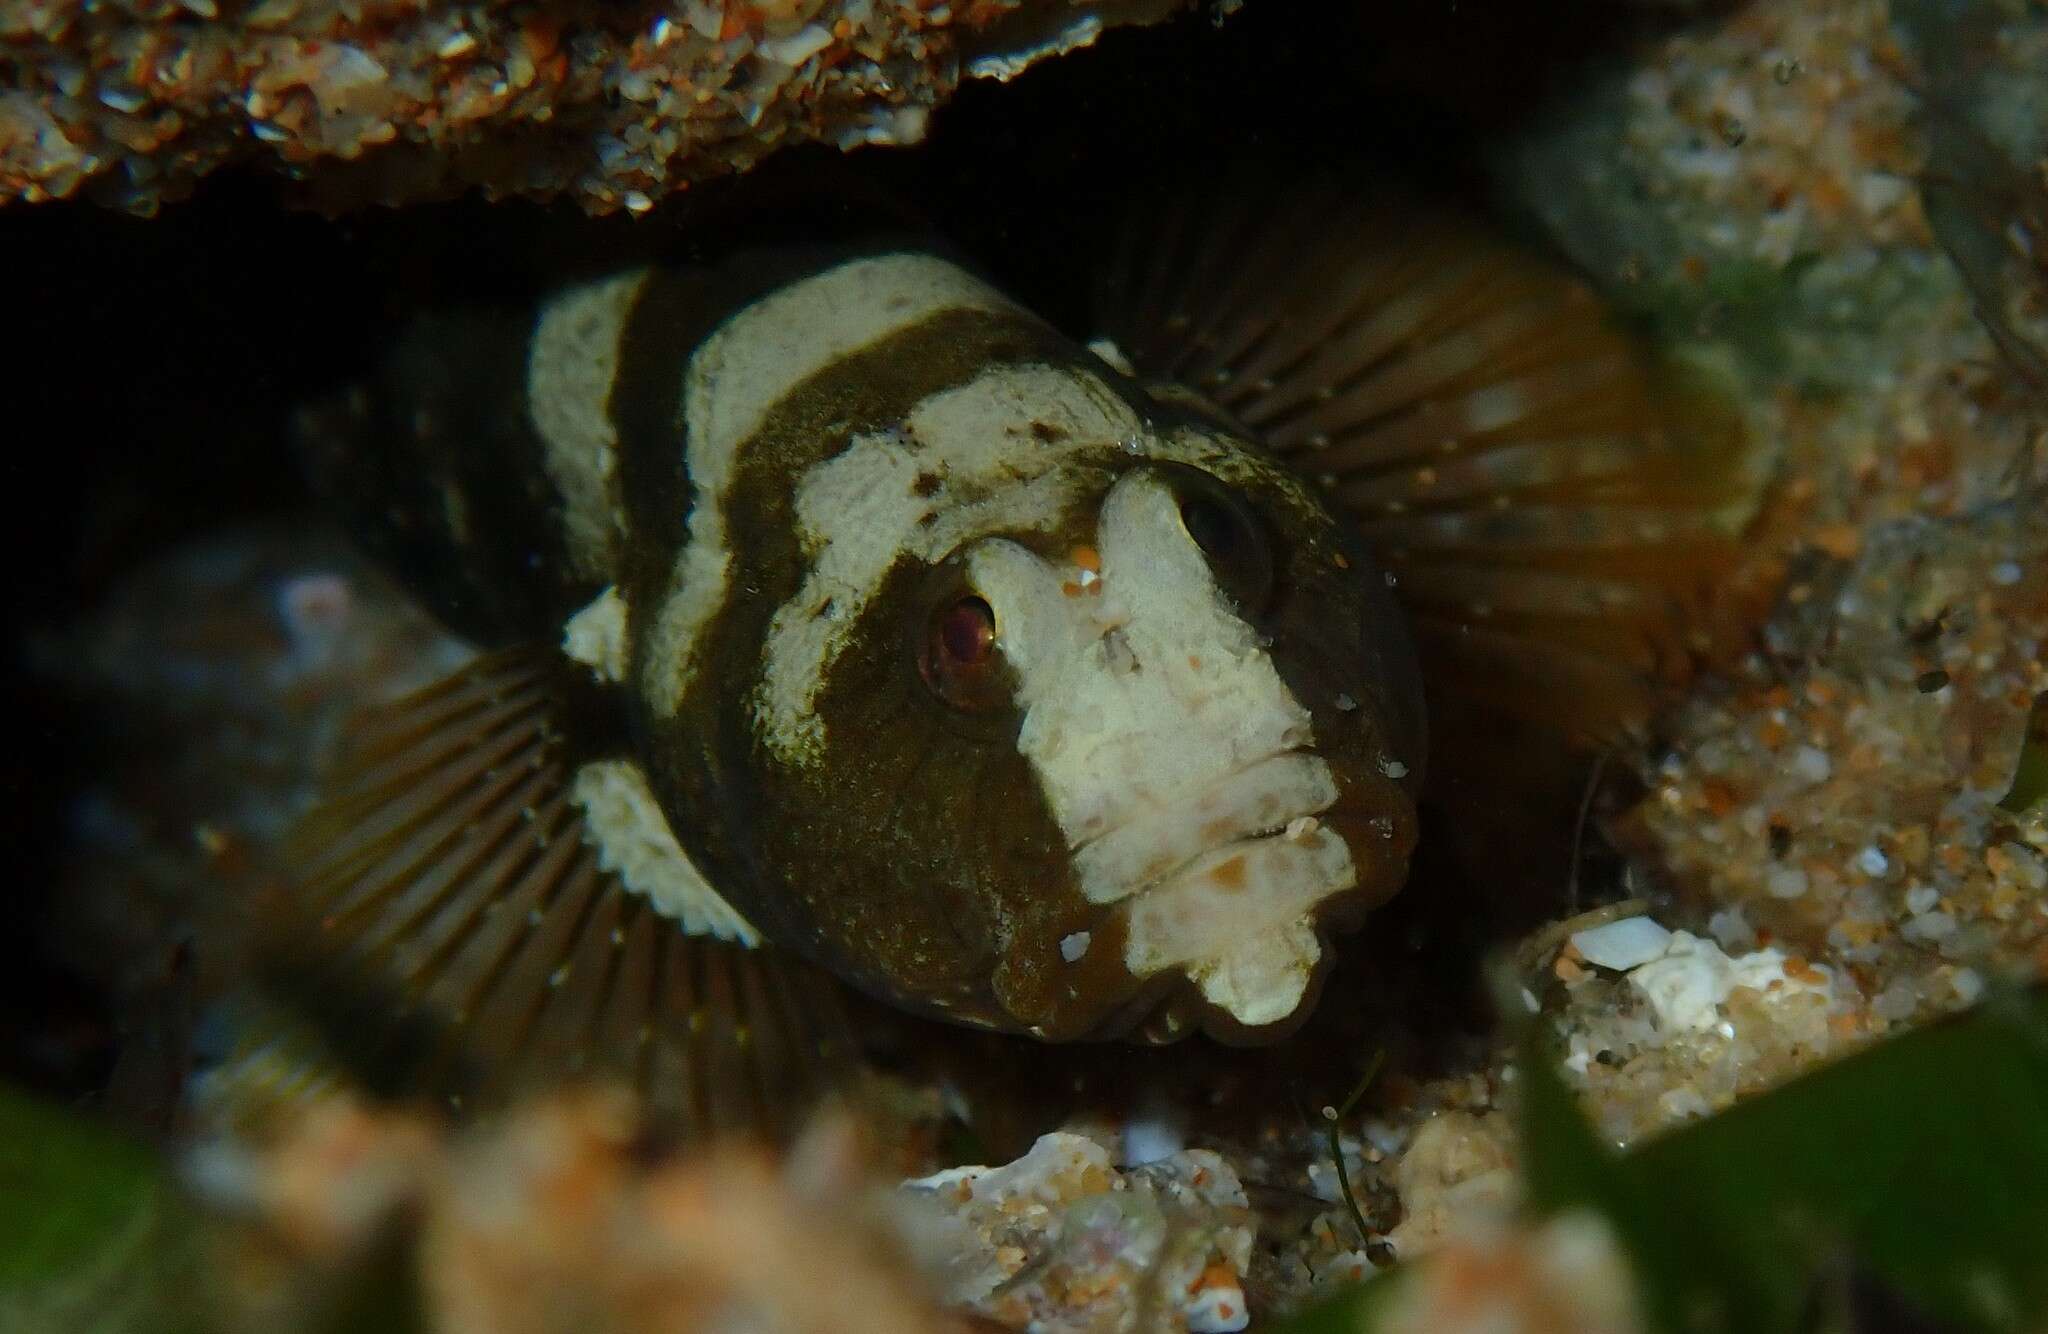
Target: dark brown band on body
{"type": "Point", "coordinates": [439, 472]}
{"type": "Point", "coordinates": [789, 875]}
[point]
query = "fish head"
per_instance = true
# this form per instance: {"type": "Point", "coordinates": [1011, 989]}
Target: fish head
{"type": "Point", "coordinates": [1109, 732]}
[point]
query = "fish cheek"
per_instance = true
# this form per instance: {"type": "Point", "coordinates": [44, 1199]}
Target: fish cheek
{"type": "Point", "coordinates": [1369, 639]}
{"type": "Point", "coordinates": [1342, 646]}
{"type": "Point", "coordinates": [932, 860]}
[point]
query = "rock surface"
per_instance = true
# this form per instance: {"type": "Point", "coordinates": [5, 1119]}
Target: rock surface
{"type": "Point", "coordinates": [388, 101]}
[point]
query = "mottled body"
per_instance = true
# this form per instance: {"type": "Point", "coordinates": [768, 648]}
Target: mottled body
{"type": "Point", "coordinates": [759, 494]}
{"type": "Point", "coordinates": [873, 622]}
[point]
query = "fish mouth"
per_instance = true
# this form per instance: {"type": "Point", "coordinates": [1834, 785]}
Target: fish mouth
{"type": "Point", "coordinates": [1228, 887]}
{"type": "Point", "coordinates": [1261, 799]}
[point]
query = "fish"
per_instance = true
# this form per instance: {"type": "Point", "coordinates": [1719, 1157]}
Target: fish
{"type": "Point", "coordinates": [847, 631]}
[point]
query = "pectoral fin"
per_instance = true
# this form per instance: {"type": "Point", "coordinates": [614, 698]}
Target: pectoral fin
{"type": "Point", "coordinates": [462, 926]}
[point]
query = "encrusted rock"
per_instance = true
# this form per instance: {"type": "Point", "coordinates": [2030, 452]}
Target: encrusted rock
{"type": "Point", "coordinates": [384, 101]}
{"type": "Point", "coordinates": [1062, 1238]}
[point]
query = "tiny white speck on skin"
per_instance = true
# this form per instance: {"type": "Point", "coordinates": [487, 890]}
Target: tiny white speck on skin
{"type": "Point", "coordinates": [1393, 768]}
{"type": "Point", "coordinates": [1074, 947]}
{"type": "Point", "coordinates": [1872, 862]}
{"type": "Point", "coordinates": [2005, 573]}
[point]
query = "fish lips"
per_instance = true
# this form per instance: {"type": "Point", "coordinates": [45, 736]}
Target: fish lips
{"type": "Point", "coordinates": [1233, 942]}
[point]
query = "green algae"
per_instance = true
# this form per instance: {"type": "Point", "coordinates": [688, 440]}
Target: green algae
{"type": "Point", "coordinates": [93, 1233]}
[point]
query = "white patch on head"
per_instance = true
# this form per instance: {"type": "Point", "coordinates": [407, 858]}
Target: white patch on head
{"type": "Point", "coordinates": [1165, 740]}
{"type": "Point", "coordinates": [738, 376]}
{"type": "Point", "coordinates": [596, 636]}
{"type": "Point", "coordinates": [1239, 920]}
{"type": "Point", "coordinates": [572, 363]}
{"type": "Point", "coordinates": [624, 823]}
{"type": "Point", "coordinates": [994, 452]}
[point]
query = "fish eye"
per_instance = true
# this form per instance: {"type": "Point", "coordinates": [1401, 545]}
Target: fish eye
{"type": "Point", "coordinates": [1230, 536]}
{"type": "Point", "coordinates": [1215, 528]}
{"type": "Point", "coordinates": [960, 660]}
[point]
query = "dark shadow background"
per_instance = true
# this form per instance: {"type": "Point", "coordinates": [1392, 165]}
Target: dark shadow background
{"type": "Point", "coordinates": [148, 401]}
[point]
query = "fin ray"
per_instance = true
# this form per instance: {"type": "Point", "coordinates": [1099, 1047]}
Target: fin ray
{"type": "Point", "coordinates": [1512, 468]}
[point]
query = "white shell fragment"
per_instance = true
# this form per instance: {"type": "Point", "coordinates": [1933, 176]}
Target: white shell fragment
{"type": "Point", "coordinates": [1688, 983]}
{"type": "Point", "coordinates": [1622, 945]}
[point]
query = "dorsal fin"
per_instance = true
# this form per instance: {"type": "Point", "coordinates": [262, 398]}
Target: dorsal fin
{"type": "Point", "coordinates": [455, 932]}
{"type": "Point", "coordinates": [1561, 510]}
{"type": "Point", "coordinates": [1557, 507]}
